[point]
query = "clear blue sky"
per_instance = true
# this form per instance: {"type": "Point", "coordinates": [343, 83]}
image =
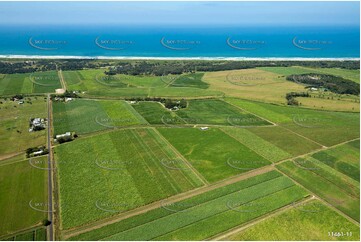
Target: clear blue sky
{"type": "Point", "coordinates": [184, 13]}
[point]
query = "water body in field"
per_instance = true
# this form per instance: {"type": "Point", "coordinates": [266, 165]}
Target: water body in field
{"type": "Point", "coordinates": [181, 41]}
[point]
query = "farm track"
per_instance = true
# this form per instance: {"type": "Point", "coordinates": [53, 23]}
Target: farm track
{"type": "Point", "coordinates": [8, 156]}
{"type": "Point", "coordinates": [98, 224]}
{"type": "Point", "coordinates": [61, 78]}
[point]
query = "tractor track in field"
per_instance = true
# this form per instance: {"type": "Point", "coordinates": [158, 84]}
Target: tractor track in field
{"type": "Point", "coordinates": [179, 197]}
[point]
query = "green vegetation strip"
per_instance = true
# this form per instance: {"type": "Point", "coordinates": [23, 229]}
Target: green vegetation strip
{"type": "Point", "coordinates": [257, 144]}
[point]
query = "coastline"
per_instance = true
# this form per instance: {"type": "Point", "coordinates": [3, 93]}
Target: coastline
{"type": "Point", "coordinates": [178, 58]}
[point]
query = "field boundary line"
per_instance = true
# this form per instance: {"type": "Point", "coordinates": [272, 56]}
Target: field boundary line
{"type": "Point", "coordinates": [255, 221]}
{"type": "Point", "coordinates": [61, 78]}
{"type": "Point", "coordinates": [194, 170]}
{"type": "Point", "coordinates": [300, 135]}
{"type": "Point", "coordinates": [176, 198]}
{"type": "Point", "coordinates": [230, 135]}
{"type": "Point", "coordinates": [336, 185]}
{"type": "Point", "coordinates": [246, 111]}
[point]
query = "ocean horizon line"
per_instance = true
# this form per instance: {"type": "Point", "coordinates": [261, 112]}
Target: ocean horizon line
{"type": "Point", "coordinates": [179, 58]}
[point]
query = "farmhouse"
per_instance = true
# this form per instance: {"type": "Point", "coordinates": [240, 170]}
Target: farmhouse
{"type": "Point", "coordinates": [37, 124]}
{"type": "Point", "coordinates": [67, 135]}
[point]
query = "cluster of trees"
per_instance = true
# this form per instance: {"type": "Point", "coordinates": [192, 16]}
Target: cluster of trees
{"type": "Point", "coordinates": [175, 104]}
{"type": "Point", "coordinates": [292, 95]}
{"type": "Point", "coordinates": [178, 67]}
{"type": "Point", "coordinates": [8, 67]}
{"type": "Point", "coordinates": [71, 94]}
{"type": "Point", "coordinates": [168, 103]}
{"type": "Point", "coordinates": [17, 96]}
{"type": "Point", "coordinates": [159, 68]}
{"type": "Point", "coordinates": [76, 64]}
{"type": "Point", "coordinates": [332, 83]}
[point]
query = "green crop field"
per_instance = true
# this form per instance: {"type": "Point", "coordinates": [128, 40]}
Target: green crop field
{"type": "Point", "coordinates": [95, 83]}
{"type": "Point", "coordinates": [285, 140]}
{"type": "Point", "coordinates": [344, 158]}
{"type": "Point", "coordinates": [14, 125]}
{"type": "Point", "coordinates": [196, 218]}
{"type": "Point", "coordinates": [261, 146]}
{"type": "Point", "coordinates": [217, 112]}
{"type": "Point", "coordinates": [26, 194]}
{"type": "Point", "coordinates": [85, 116]}
{"type": "Point", "coordinates": [327, 183]}
{"type": "Point", "coordinates": [156, 113]}
{"type": "Point", "coordinates": [189, 80]}
{"type": "Point", "coordinates": [213, 153]}
{"type": "Point", "coordinates": [45, 82]}
{"type": "Point", "coordinates": [118, 171]}
{"type": "Point", "coordinates": [310, 221]}
{"type": "Point", "coordinates": [11, 84]}
{"type": "Point", "coordinates": [325, 127]}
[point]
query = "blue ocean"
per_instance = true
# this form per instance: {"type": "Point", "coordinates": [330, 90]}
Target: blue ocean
{"type": "Point", "coordinates": [181, 41]}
